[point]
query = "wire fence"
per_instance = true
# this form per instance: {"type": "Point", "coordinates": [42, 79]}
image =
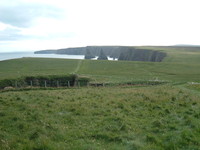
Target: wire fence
{"type": "Point", "coordinates": [45, 81]}
{"type": "Point", "coordinates": [65, 81]}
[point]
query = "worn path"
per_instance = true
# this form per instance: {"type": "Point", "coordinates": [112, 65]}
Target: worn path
{"type": "Point", "coordinates": [78, 66]}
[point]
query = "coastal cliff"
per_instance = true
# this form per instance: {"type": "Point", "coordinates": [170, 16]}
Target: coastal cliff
{"type": "Point", "coordinates": [119, 52]}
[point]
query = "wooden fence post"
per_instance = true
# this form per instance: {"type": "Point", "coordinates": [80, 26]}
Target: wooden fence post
{"type": "Point", "coordinates": [45, 83]}
{"type": "Point", "coordinates": [68, 83]}
{"type": "Point", "coordinates": [31, 83]}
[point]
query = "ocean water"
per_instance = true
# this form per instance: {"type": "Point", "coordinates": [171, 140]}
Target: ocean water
{"type": "Point", "coordinates": [15, 55]}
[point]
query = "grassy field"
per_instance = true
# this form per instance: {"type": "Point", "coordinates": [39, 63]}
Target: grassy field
{"type": "Point", "coordinates": [116, 117]}
{"type": "Point", "coordinates": [103, 71]}
{"type": "Point", "coordinates": [100, 118]}
{"type": "Point", "coordinates": [36, 66]}
{"type": "Point", "coordinates": [131, 71]}
{"type": "Point", "coordinates": [180, 65]}
{"type": "Point", "coordinates": [179, 54]}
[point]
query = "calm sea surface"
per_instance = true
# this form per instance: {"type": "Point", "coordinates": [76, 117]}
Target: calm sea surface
{"type": "Point", "coordinates": [14, 55]}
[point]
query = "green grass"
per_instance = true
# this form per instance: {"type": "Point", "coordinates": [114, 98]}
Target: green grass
{"type": "Point", "coordinates": [36, 66]}
{"type": "Point", "coordinates": [113, 71]}
{"type": "Point", "coordinates": [180, 65]}
{"type": "Point", "coordinates": [117, 117]}
{"type": "Point", "coordinates": [102, 71]}
{"type": "Point", "coordinates": [100, 118]}
{"type": "Point", "coordinates": [194, 87]}
{"type": "Point", "coordinates": [179, 54]}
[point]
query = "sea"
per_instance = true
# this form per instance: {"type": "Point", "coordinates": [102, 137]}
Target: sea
{"type": "Point", "coordinates": [16, 55]}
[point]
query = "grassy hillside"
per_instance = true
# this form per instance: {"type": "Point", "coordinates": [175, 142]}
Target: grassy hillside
{"type": "Point", "coordinates": [118, 117]}
{"type": "Point", "coordinates": [36, 66]}
{"type": "Point", "coordinates": [100, 118]}
{"type": "Point", "coordinates": [181, 65]}
{"type": "Point", "coordinates": [104, 71]}
{"type": "Point", "coordinates": [179, 54]}
{"type": "Point", "coordinates": [132, 71]}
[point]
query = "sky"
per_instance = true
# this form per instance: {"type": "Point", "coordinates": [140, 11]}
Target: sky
{"type": "Point", "coordinates": [29, 25]}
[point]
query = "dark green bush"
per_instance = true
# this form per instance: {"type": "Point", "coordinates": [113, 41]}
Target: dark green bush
{"type": "Point", "coordinates": [12, 83]}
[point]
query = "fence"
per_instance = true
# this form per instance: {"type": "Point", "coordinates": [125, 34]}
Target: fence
{"type": "Point", "coordinates": [65, 81]}
{"type": "Point", "coordinates": [45, 81]}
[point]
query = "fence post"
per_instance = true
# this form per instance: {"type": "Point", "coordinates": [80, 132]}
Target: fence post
{"type": "Point", "coordinates": [68, 83]}
{"type": "Point", "coordinates": [45, 83]}
{"type": "Point", "coordinates": [31, 83]}
{"type": "Point", "coordinates": [57, 83]}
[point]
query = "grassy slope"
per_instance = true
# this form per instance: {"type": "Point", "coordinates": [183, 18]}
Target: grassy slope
{"type": "Point", "coordinates": [36, 66]}
{"type": "Point", "coordinates": [100, 118]}
{"type": "Point", "coordinates": [179, 54]}
{"type": "Point", "coordinates": [160, 117]}
{"type": "Point", "coordinates": [181, 65]}
{"type": "Point", "coordinates": [126, 71]}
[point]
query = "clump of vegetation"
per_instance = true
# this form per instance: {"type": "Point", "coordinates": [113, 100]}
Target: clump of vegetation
{"type": "Point", "coordinates": [194, 86]}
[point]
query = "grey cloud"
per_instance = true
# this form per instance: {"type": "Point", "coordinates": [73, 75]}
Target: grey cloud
{"type": "Point", "coordinates": [22, 14]}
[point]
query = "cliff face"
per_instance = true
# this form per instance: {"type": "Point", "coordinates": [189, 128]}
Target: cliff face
{"type": "Point", "coordinates": [88, 54]}
{"type": "Point", "coordinates": [120, 52]}
{"type": "Point", "coordinates": [102, 56]}
{"type": "Point", "coordinates": [112, 51]}
{"type": "Point", "coordinates": [133, 54]}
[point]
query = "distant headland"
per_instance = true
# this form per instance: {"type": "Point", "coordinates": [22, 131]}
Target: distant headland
{"type": "Point", "coordinates": [129, 53]}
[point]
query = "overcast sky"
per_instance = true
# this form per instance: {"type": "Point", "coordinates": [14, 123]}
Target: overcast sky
{"type": "Point", "coordinates": [52, 24]}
